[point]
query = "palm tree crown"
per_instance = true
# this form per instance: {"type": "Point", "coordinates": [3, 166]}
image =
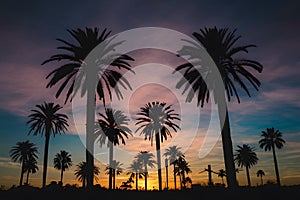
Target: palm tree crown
{"type": "Point", "coordinates": [74, 58]}
{"type": "Point", "coordinates": [157, 118]}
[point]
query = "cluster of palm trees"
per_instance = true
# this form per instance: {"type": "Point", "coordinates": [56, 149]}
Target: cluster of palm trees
{"type": "Point", "coordinates": [246, 157]}
{"type": "Point", "coordinates": [156, 119]}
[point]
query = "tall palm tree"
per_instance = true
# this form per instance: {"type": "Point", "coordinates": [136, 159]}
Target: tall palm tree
{"type": "Point", "coordinates": [222, 174]}
{"type": "Point", "coordinates": [135, 170]}
{"type": "Point", "coordinates": [62, 161]}
{"type": "Point", "coordinates": [81, 173]}
{"type": "Point", "coordinates": [116, 169]}
{"type": "Point", "coordinates": [272, 139]}
{"type": "Point", "coordinates": [93, 74]}
{"type": "Point", "coordinates": [245, 156]}
{"type": "Point", "coordinates": [30, 167]}
{"type": "Point", "coordinates": [260, 173]}
{"type": "Point", "coordinates": [114, 127]}
{"type": "Point", "coordinates": [146, 159]}
{"type": "Point", "coordinates": [46, 120]}
{"type": "Point", "coordinates": [173, 153]}
{"type": "Point", "coordinates": [155, 120]}
{"type": "Point", "coordinates": [23, 152]}
{"type": "Point", "coordinates": [200, 79]}
{"type": "Point", "coordinates": [182, 168]}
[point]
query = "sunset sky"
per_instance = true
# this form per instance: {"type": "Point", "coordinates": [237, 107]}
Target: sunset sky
{"type": "Point", "coordinates": [28, 37]}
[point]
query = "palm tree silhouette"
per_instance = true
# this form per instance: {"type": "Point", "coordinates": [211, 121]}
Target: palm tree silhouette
{"type": "Point", "coordinates": [46, 120]}
{"type": "Point", "coordinates": [81, 173]}
{"type": "Point", "coordinates": [116, 169]}
{"type": "Point", "coordinates": [260, 173]}
{"type": "Point", "coordinates": [222, 48]}
{"type": "Point", "coordinates": [222, 174]}
{"type": "Point", "coordinates": [24, 153]}
{"type": "Point", "coordinates": [75, 67]}
{"type": "Point", "coordinates": [114, 126]}
{"type": "Point", "coordinates": [62, 161]}
{"type": "Point", "coordinates": [146, 159]}
{"type": "Point", "coordinates": [182, 167]}
{"type": "Point", "coordinates": [135, 170]}
{"type": "Point", "coordinates": [272, 139]}
{"type": "Point", "coordinates": [173, 153]}
{"type": "Point", "coordinates": [30, 167]}
{"type": "Point", "coordinates": [155, 120]}
{"type": "Point", "coordinates": [245, 156]}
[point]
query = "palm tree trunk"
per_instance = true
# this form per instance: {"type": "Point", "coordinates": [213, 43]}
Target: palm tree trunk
{"type": "Point", "coordinates": [61, 176]}
{"type": "Point", "coordinates": [114, 178]}
{"type": "Point", "coordinates": [248, 176]}
{"type": "Point", "coordinates": [27, 177]}
{"type": "Point", "coordinates": [167, 174]}
{"type": "Point", "coordinates": [183, 178]}
{"type": "Point", "coordinates": [157, 141]}
{"type": "Point", "coordinates": [90, 118]}
{"type": "Point", "coordinates": [83, 183]}
{"type": "Point", "coordinates": [46, 156]}
{"type": "Point", "coordinates": [136, 181]}
{"type": "Point", "coordinates": [180, 183]}
{"type": "Point", "coordinates": [174, 166]}
{"type": "Point", "coordinates": [261, 180]}
{"type": "Point", "coordinates": [22, 173]}
{"type": "Point", "coordinates": [111, 152]}
{"type": "Point", "coordinates": [276, 165]}
{"type": "Point", "coordinates": [226, 141]}
{"type": "Point", "coordinates": [146, 176]}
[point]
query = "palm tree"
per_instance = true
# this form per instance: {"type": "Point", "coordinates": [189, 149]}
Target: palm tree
{"type": "Point", "coordinates": [116, 169]}
{"type": "Point", "coordinates": [75, 67]}
{"type": "Point", "coordinates": [114, 126]}
{"type": "Point", "coordinates": [62, 161]}
{"type": "Point", "coordinates": [201, 79]}
{"type": "Point", "coordinates": [173, 153]}
{"type": "Point", "coordinates": [270, 140]}
{"type": "Point", "coordinates": [260, 173]}
{"type": "Point", "coordinates": [222, 174]}
{"type": "Point", "coordinates": [155, 120]}
{"type": "Point", "coordinates": [23, 152]}
{"type": "Point", "coordinates": [81, 173]}
{"type": "Point", "coordinates": [146, 159]}
{"type": "Point", "coordinates": [245, 156]}
{"type": "Point", "coordinates": [30, 167]}
{"type": "Point", "coordinates": [182, 167]}
{"type": "Point", "coordinates": [135, 170]}
{"type": "Point", "coordinates": [46, 121]}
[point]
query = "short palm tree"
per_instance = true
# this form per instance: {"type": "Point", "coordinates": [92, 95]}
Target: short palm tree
{"type": "Point", "coordinates": [135, 170]}
{"type": "Point", "coordinates": [81, 173]}
{"type": "Point", "coordinates": [260, 173]}
{"type": "Point", "coordinates": [46, 120]}
{"type": "Point", "coordinates": [93, 75]}
{"type": "Point", "coordinates": [173, 153]}
{"type": "Point", "coordinates": [30, 167]}
{"type": "Point", "coordinates": [114, 128]}
{"type": "Point", "coordinates": [182, 168]}
{"type": "Point", "coordinates": [62, 161]}
{"type": "Point", "coordinates": [201, 79]}
{"type": "Point", "coordinates": [272, 139]}
{"type": "Point", "coordinates": [116, 169]}
{"type": "Point", "coordinates": [245, 156]}
{"type": "Point", "coordinates": [146, 159]}
{"type": "Point", "coordinates": [23, 153]}
{"type": "Point", "coordinates": [155, 120]}
{"type": "Point", "coordinates": [222, 174]}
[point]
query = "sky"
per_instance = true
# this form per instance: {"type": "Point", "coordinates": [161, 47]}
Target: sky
{"type": "Point", "coordinates": [28, 37]}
